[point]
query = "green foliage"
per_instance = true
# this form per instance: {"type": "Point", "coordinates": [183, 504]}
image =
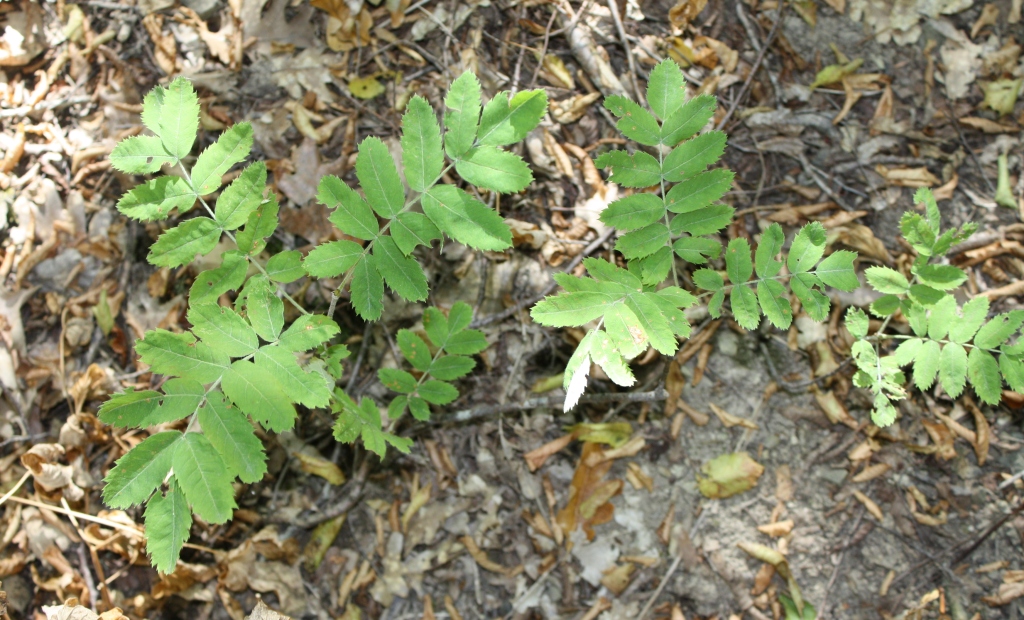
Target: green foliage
{"type": "Point", "coordinates": [675, 216]}
{"type": "Point", "coordinates": [471, 139]}
{"type": "Point", "coordinates": [951, 345]}
{"type": "Point", "coordinates": [441, 358]}
{"type": "Point", "coordinates": [240, 366]}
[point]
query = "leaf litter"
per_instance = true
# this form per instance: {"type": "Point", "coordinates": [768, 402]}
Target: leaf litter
{"type": "Point", "coordinates": [592, 500]}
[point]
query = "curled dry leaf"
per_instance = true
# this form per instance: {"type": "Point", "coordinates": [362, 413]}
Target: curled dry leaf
{"type": "Point", "coordinates": [779, 562]}
{"type": "Point", "coordinates": [871, 472]}
{"type": "Point", "coordinates": [870, 505]}
{"type": "Point", "coordinates": [728, 475]}
{"type": "Point", "coordinates": [589, 493]}
{"type": "Point", "coordinates": [319, 466]}
{"type": "Point", "coordinates": [572, 109]}
{"type": "Point", "coordinates": [1007, 593]}
{"type": "Point", "coordinates": [729, 420]}
{"type": "Point", "coordinates": [71, 610]}
{"type": "Point", "coordinates": [777, 529]}
{"type": "Point", "coordinates": [51, 476]}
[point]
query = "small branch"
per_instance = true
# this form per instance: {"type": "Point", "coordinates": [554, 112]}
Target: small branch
{"type": "Point", "coordinates": [548, 402]}
{"type": "Point", "coordinates": [614, 8]}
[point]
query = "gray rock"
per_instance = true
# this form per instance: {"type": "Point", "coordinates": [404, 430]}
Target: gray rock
{"type": "Point", "coordinates": [205, 8]}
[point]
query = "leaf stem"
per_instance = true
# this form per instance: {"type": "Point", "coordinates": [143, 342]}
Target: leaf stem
{"type": "Point", "coordinates": [251, 259]}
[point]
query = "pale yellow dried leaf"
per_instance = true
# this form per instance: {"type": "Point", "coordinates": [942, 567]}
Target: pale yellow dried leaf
{"type": "Point", "coordinates": [777, 529]}
{"type": "Point", "coordinates": [870, 505]}
{"type": "Point", "coordinates": [729, 420]}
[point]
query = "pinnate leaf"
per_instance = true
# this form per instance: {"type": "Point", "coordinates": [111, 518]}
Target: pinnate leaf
{"type": "Point", "coordinates": [666, 89]}
{"type": "Point", "coordinates": [983, 371]}
{"type": "Point", "coordinates": [437, 392]}
{"type": "Point", "coordinates": [203, 477]}
{"type": "Point", "coordinates": [179, 245]}
{"type": "Point", "coordinates": [974, 313]}
{"type": "Point", "coordinates": [466, 219]}
{"type": "Point", "coordinates": [699, 190]}
{"type": "Point", "coordinates": [156, 198]}
{"type": "Point", "coordinates": [181, 355]}
{"type": "Point", "coordinates": [744, 307]}
{"type": "Point", "coordinates": [168, 522]}
{"type": "Point", "coordinates": [694, 156]}
{"type": "Point", "coordinates": [230, 432]}
{"type": "Point", "coordinates": [367, 291]}
{"type": "Point", "coordinates": [140, 471]}
{"type": "Point", "coordinates": [635, 211]}
{"type": "Point", "coordinates": [222, 329]}
{"type": "Point", "coordinates": [953, 369]}
{"type": "Point", "coordinates": [261, 224]}
{"type": "Point", "coordinates": [637, 170]}
{"type": "Point", "coordinates": [212, 283]}
{"type": "Point", "coordinates": [311, 389]}
{"type": "Point", "coordinates": [463, 115]}
{"type": "Point", "coordinates": [402, 273]}
{"type": "Point", "coordinates": [258, 392]}
{"type": "Point", "coordinates": [241, 197]}
{"type": "Point", "coordinates": [333, 258]}
{"type": "Point", "coordinates": [837, 270]}
{"type": "Point", "coordinates": [807, 248]}
{"type": "Point", "coordinates": [351, 214]}
{"type": "Point", "coordinates": [285, 266]}
{"type": "Point", "coordinates": [507, 120]}
{"type": "Point", "coordinates": [308, 331]}
{"type": "Point", "coordinates": [688, 120]}
{"type": "Point", "coordinates": [379, 179]}
{"type": "Point", "coordinates": [494, 169]}
{"type": "Point", "coordinates": [926, 365]}
{"type": "Point", "coordinates": [886, 280]}
{"type": "Point", "coordinates": [635, 122]}
{"type": "Point", "coordinates": [414, 349]}
{"type": "Point", "coordinates": [643, 242]}
{"type": "Point", "coordinates": [421, 145]}
{"type": "Point", "coordinates": [411, 229]}
{"type": "Point", "coordinates": [140, 155]}
{"type": "Point", "coordinates": [179, 118]}
{"type": "Point", "coordinates": [264, 308]}
{"type": "Point", "coordinates": [213, 163]}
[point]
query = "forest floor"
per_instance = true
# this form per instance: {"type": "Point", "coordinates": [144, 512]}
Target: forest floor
{"type": "Point", "coordinates": [918, 520]}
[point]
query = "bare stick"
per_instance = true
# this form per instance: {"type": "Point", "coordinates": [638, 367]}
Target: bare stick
{"type": "Point", "coordinates": [468, 415]}
{"type": "Point", "coordinates": [614, 8]}
{"type": "Point", "coordinates": [755, 68]}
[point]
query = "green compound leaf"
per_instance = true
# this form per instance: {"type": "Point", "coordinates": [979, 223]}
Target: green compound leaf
{"type": "Point", "coordinates": [807, 248]}
{"type": "Point", "coordinates": [926, 365]}
{"type": "Point", "coordinates": [643, 242]}
{"type": "Point", "coordinates": [704, 221]}
{"type": "Point", "coordinates": [468, 342]}
{"type": "Point", "coordinates": [222, 329]}
{"type": "Point", "coordinates": [767, 249]}
{"type": "Point", "coordinates": [419, 408]}
{"type": "Point", "coordinates": [708, 279]}
{"type": "Point", "coordinates": [666, 89]}
{"type": "Point", "coordinates": [168, 522]}
{"type": "Point", "coordinates": [696, 250]}
{"type": "Point", "coordinates": [908, 351]}
{"type": "Point", "coordinates": [263, 307]}
{"type": "Point", "coordinates": [230, 148]}
{"type": "Point", "coordinates": [999, 329]}
{"type": "Point", "coordinates": [885, 305]}
{"type": "Point", "coordinates": [308, 331]}
{"type": "Point", "coordinates": [605, 355]}
{"type": "Point", "coordinates": [402, 273]}
{"type": "Point", "coordinates": [837, 270]}
{"type": "Point", "coordinates": [744, 307]}
{"type": "Point", "coordinates": [494, 169]}
{"type": "Point", "coordinates": [414, 349]}
{"type": "Point", "coordinates": [1013, 372]}
{"type": "Point", "coordinates": [634, 212]}
{"type": "Point", "coordinates": [941, 277]}
{"type": "Point", "coordinates": [152, 104]}
{"type": "Point", "coordinates": [181, 355]}
{"type": "Point", "coordinates": [411, 229]}
{"type": "Point", "coordinates": [367, 291]}
{"type": "Point", "coordinates": [332, 259]}
{"type": "Point", "coordinates": [974, 313]}
{"type": "Point", "coordinates": [506, 120]}
{"type": "Point", "coordinates": [437, 392]}
{"type": "Point", "coordinates": [942, 316]}
{"type": "Point", "coordinates": [179, 118]}
{"type": "Point", "coordinates": [983, 372]}
{"type": "Point", "coordinates": [351, 214]}
{"type": "Point", "coordinates": [421, 145]}
{"type": "Point", "coordinates": [379, 178]}
{"type": "Point", "coordinates": [625, 329]}
{"type": "Point", "coordinates": [886, 280]}
{"type": "Point", "coordinates": [364, 422]}
{"type": "Point", "coordinates": [181, 399]}
{"type": "Point", "coordinates": [156, 198]}
{"type": "Point", "coordinates": [261, 224]}
{"type": "Point", "coordinates": [397, 380]}
{"type": "Point", "coordinates": [688, 120]}
{"type": "Point", "coordinates": [466, 219]}
{"type": "Point", "coordinates": [463, 115]}
{"type": "Point", "coordinates": [285, 266]}
{"type": "Point", "coordinates": [140, 155]}
{"type": "Point", "coordinates": [774, 302]}
{"type": "Point", "coordinates": [815, 304]}
{"type": "Point", "coordinates": [637, 170]}
{"type": "Point", "coordinates": [654, 322]}
{"type": "Point", "coordinates": [141, 471]}
{"type": "Point", "coordinates": [635, 122]}
{"type": "Point", "coordinates": [129, 408]}
{"type": "Point", "coordinates": [203, 478]}
{"type": "Point", "coordinates": [925, 295]}
{"type": "Point", "coordinates": [699, 191]}
{"type": "Point", "coordinates": [242, 197]}
{"type": "Point", "coordinates": [570, 309]}
{"type": "Point", "coordinates": [451, 367]}
{"type": "Point", "coordinates": [857, 323]}
{"type": "Point", "coordinates": [232, 435]}
{"type": "Point", "coordinates": [212, 283]}
{"type": "Point", "coordinates": [694, 156]}
{"type": "Point", "coordinates": [737, 261]}
{"type": "Point", "coordinates": [953, 369]}
{"type": "Point", "coordinates": [311, 389]}
{"type": "Point", "coordinates": [258, 392]}
{"type": "Point", "coordinates": [180, 245]}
